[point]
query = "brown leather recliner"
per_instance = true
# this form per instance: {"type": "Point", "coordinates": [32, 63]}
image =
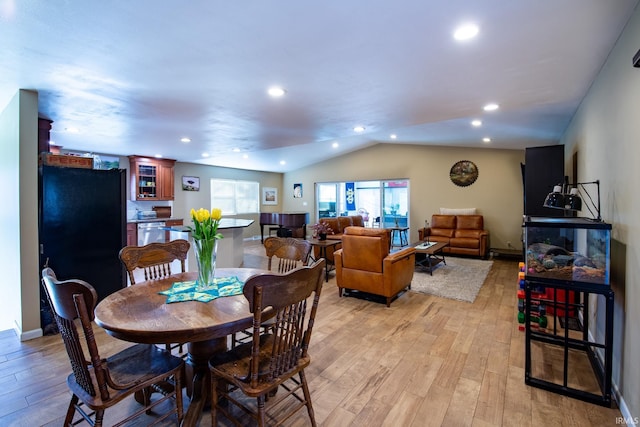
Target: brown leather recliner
{"type": "Point", "coordinates": [365, 264]}
{"type": "Point", "coordinates": [337, 224]}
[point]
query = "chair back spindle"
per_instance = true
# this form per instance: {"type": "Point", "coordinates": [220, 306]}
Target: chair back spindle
{"type": "Point", "coordinates": [291, 253]}
{"type": "Point", "coordinates": [154, 259]}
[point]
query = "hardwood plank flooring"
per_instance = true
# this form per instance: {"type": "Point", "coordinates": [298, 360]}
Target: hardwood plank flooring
{"type": "Point", "coordinates": [425, 361]}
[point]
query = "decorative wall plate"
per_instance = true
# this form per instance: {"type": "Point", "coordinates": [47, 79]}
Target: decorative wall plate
{"type": "Point", "coordinates": [463, 173]}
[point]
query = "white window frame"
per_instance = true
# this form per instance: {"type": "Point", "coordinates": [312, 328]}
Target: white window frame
{"type": "Point", "coordinates": [226, 194]}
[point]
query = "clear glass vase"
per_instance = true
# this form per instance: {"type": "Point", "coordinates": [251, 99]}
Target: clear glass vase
{"type": "Point", "coordinates": [206, 252]}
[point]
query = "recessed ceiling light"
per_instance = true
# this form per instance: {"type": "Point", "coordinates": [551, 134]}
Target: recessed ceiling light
{"type": "Point", "coordinates": [245, 156]}
{"type": "Point", "coordinates": [282, 162]}
{"type": "Point", "coordinates": [205, 154]}
{"type": "Point", "coordinates": [335, 145]}
{"type": "Point", "coordinates": [491, 107]}
{"type": "Point", "coordinates": [486, 139]}
{"type": "Point", "coordinates": [72, 130]}
{"type": "Point", "coordinates": [393, 136]}
{"type": "Point", "coordinates": [236, 150]}
{"type": "Point", "coordinates": [276, 91]}
{"type": "Point", "coordinates": [359, 129]}
{"type": "Point", "coordinates": [158, 156]}
{"type": "Point", "coordinates": [466, 32]}
{"type": "Point", "coordinates": [476, 123]}
{"type": "Point", "coordinates": [185, 139]}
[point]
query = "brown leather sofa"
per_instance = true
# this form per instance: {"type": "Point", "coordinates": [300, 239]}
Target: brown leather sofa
{"type": "Point", "coordinates": [338, 224]}
{"type": "Point", "coordinates": [365, 264]}
{"type": "Point", "coordinates": [465, 234]}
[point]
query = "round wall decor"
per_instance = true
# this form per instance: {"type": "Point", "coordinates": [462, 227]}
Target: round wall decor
{"type": "Point", "coordinates": [463, 173]}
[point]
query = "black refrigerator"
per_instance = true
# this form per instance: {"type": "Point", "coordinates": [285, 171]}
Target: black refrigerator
{"type": "Point", "coordinates": [82, 221]}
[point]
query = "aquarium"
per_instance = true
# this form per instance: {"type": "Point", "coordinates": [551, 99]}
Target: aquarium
{"type": "Point", "coordinates": [567, 249]}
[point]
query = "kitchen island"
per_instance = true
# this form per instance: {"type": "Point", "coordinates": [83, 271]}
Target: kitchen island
{"type": "Point", "coordinates": [230, 247]}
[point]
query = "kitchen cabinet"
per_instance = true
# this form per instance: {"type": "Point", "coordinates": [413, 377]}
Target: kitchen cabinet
{"type": "Point", "coordinates": [151, 179]}
{"type": "Point", "coordinates": [132, 234]}
{"type": "Point", "coordinates": [171, 223]}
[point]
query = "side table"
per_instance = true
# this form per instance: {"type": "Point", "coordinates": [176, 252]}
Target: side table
{"type": "Point", "coordinates": [401, 233]}
{"type": "Point", "coordinates": [322, 245]}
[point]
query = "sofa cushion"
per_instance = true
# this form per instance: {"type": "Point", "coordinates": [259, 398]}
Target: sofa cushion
{"type": "Point", "coordinates": [343, 222]}
{"type": "Point", "coordinates": [458, 211]}
{"type": "Point", "coordinates": [443, 221]}
{"type": "Point", "coordinates": [464, 242]}
{"type": "Point", "coordinates": [357, 221]}
{"type": "Point", "coordinates": [442, 239]}
{"type": "Point", "coordinates": [469, 234]}
{"type": "Point", "coordinates": [444, 232]}
{"type": "Point", "coordinates": [469, 222]}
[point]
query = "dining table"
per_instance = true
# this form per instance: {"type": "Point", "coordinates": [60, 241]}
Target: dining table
{"type": "Point", "coordinates": [140, 314]}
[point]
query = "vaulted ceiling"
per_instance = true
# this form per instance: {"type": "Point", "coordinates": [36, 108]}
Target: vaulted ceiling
{"type": "Point", "coordinates": [135, 77]}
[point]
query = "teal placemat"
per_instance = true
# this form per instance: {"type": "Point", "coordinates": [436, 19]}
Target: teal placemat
{"type": "Point", "coordinates": [186, 291]}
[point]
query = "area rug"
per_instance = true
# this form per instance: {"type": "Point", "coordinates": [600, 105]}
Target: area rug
{"type": "Point", "coordinates": [460, 279]}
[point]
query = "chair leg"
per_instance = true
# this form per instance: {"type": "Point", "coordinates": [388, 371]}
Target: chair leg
{"type": "Point", "coordinates": [178, 390]}
{"type": "Point", "coordinates": [340, 292]}
{"type": "Point", "coordinates": [68, 420]}
{"type": "Point", "coordinates": [261, 413]}
{"type": "Point", "coordinates": [307, 398]}
{"type": "Point", "coordinates": [214, 402]}
{"type": "Point", "coordinates": [99, 417]}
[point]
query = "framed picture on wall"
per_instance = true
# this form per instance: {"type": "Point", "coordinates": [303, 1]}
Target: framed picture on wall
{"type": "Point", "coordinates": [190, 183]}
{"type": "Point", "coordinates": [269, 196]}
{"type": "Point", "coordinates": [297, 191]}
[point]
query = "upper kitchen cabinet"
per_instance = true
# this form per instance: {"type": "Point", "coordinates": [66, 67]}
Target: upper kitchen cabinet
{"type": "Point", "coordinates": [151, 179]}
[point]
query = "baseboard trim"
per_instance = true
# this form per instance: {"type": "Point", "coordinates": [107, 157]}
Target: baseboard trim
{"type": "Point", "coordinates": [29, 335]}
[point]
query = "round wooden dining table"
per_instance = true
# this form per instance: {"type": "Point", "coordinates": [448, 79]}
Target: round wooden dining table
{"type": "Point", "coordinates": [140, 314]}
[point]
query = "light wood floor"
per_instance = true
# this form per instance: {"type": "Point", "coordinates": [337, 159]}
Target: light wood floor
{"type": "Point", "coordinates": [425, 361]}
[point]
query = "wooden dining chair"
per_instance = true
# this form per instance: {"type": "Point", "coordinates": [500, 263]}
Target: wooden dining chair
{"type": "Point", "coordinates": [101, 383]}
{"type": "Point", "coordinates": [155, 261]}
{"type": "Point", "coordinates": [290, 253]}
{"type": "Point", "coordinates": [272, 359]}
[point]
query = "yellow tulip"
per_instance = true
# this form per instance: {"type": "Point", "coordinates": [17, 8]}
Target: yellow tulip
{"type": "Point", "coordinates": [202, 215]}
{"type": "Point", "coordinates": [216, 214]}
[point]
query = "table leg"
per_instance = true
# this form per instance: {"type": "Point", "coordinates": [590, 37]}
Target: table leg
{"type": "Point", "coordinates": [198, 379]}
{"type": "Point", "coordinates": [323, 254]}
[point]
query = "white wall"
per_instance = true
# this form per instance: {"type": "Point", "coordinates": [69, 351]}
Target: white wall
{"type": "Point", "coordinates": [605, 134]}
{"type": "Point", "coordinates": [20, 304]}
{"type": "Point", "coordinates": [10, 216]}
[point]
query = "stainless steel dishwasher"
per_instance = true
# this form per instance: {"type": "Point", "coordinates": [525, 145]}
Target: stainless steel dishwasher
{"type": "Point", "coordinates": [149, 232]}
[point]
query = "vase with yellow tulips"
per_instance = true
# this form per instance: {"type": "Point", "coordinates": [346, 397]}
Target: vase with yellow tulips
{"type": "Point", "coordinates": [205, 242]}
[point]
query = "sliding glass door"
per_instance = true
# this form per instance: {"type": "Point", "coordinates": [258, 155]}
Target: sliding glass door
{"type": "Point", "coordinates": [381, 203]}
{"type": "Point", "coordinates": [395, 202]}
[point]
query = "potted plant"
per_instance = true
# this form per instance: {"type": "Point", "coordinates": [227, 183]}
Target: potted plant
{"type": "Point", "coordinates": [320, 230]}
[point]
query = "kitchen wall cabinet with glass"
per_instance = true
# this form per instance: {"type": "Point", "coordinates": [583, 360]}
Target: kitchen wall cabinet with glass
{"type": "Point", "coordinates": [151, 179]}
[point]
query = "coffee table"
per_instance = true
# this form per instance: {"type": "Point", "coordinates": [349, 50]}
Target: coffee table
{"type": "Point", "coordinates": [433, 254]}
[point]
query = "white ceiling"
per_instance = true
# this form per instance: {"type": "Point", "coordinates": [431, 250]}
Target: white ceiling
{"type": "Point", "coordinates": [135, 76]}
